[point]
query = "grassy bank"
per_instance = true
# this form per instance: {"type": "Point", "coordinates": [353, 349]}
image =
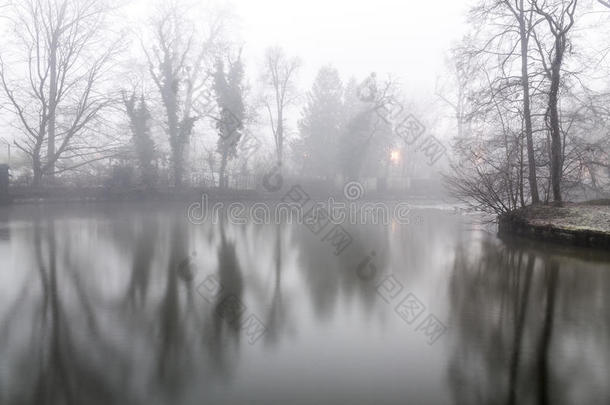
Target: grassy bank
{"type": "Point", "coordinates": [581, 224]}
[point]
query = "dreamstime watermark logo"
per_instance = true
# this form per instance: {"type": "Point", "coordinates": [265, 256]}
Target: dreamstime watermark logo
{"type": "Point", "coordinates": [405, 125]}
{"type": "Point", "coordinates": [367, 90]}
{"type": "Point", "coordinates": [407, 306]}
{"type": "Point", "coordinates": [227, 305]}
{"type": "Point", "coordinates": [411, 131]}
{"type": "Point", "coordinates": [231, 309]}
{"type": "Point", "coordinates": [292, 210]}
{"type": "Point", "coordinates": [410, 309]}
{"type": "Point", "coordinates": [234, 134]}
{"type": "Point", "coordinates": [273, 180]}
{"type": "Point", "coordinates": [353, 190]}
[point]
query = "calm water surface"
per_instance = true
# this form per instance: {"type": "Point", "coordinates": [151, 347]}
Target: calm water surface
{"type": "Point", "coordinates": [132, 304]}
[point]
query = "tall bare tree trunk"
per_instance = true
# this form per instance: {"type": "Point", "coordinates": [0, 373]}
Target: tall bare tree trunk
{"type": "Point", "coordinates": [37, 169]}
{"type": "Point", "coordinates": [178, 165]}
{"type": "Point", "coordinates": [560, 22]}
{"type": "Point", "coordinates": [527, 113]}
{"type": "Point", "coordinates": [222, 181]}
{"type": "Point", "coordinates": [50, 164]}
{"type": "Point", "coordinates": [279, 79]}
{"type": "Point", "coordinates": [280, 138]}
{"type": "Point", "coordinates": [555, 130]}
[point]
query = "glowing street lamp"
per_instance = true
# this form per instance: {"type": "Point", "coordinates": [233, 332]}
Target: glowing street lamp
{"type": "Point", "coordinates": [395, 156]}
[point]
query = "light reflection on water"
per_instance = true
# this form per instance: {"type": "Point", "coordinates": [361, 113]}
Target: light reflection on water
{"type": "Point", "coordinates": [103, 304]}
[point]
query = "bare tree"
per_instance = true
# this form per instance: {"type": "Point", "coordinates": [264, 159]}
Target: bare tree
{"type": "Point", "coordinates": [279, 77]}
{"type": "Point", "coordinates": [489, 171]}
{"type": "Point", "coordinates": [228, 86]}
{"type": "Point", "coordinates": [372, 113]}
{"type": "Point", "coordinates": [526, 25]}
{"type": "Point", "coordinates": [560, 18]}
{"type": "Point", "coordinates": [55, 88]}
{"type": "Point", "coordinates": [522, 83]}
{"type": "Point", "coordinates": [178, 61]}
{"type": "Point", "coordinates": [513, 23]}
{"type": "Point", "coordinates": [462, 71]}
{"type": "Point", "coordinates": [139, 123]}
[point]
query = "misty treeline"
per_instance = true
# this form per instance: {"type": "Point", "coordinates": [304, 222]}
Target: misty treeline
{"type": "Point", "coordinates": [529, 93]}
{"type": "Point", "coordinates": [92, 96]}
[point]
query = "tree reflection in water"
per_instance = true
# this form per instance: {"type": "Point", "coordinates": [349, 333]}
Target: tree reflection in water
{"type": "Point", "coordinates": [523, 318]}
{"type": "Point", "coordinates": [104, 308]}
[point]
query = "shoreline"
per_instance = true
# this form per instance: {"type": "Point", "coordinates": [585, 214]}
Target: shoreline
{"type": "Point", "coordinates": [28, 196]}
{"type": "Point", "coordinates": [584, 224]}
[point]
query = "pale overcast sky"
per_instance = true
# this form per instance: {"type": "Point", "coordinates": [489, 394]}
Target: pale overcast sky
{"type": "Point", "coordinates": [406, 38]}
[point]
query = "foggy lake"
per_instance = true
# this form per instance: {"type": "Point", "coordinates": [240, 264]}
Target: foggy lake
{"type": "Point", "coordinates": [133, 303]}
{"type": "Point", "coordinates": [345, 202]}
